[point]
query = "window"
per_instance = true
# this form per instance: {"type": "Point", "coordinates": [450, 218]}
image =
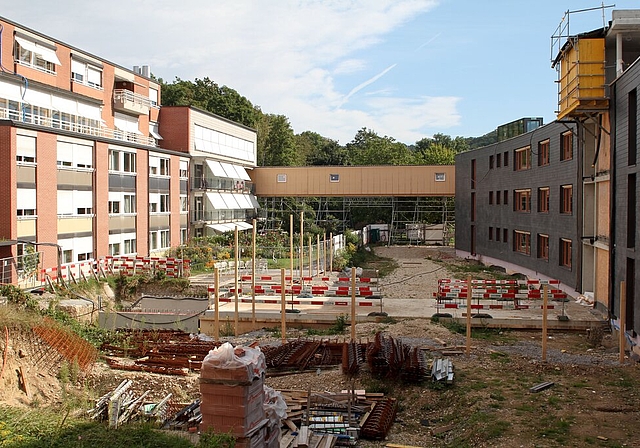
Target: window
{"type": "Point", "coordinates": [631, 211]}
{"type": "Point", "coordinates": [498, 196]}
{"type": "Point", "coordinates": [506, 158]}
{"type": "Point", "coordinates": [543, 153]}
{"type": "Point", "coordinates": [38, 55]}
{"type": "Point", "coordinates": [183, 236]}
{"type": "Point", "coordinates": [184, 169]}
{"type": "Point", "coordinates": [153, 240]}
{"type": "Point", "coordinates": [505, 235]}
{"type": "Point", "coordinates": [490, 233]}
{"type": "Point", "coordinates": [566, 146]}
{"type": "Point", "coordinates": [497, 233]}
{"type": "Point", "coordinates": [566, 199]}
{"type": "Point", "coordinates": [633, 128]}
{"type": "Point", "coordinates": [184, 203]}
{"type": "Point", "coordinates": [498, 160]}
{"type": "Point", "coordinates": [25, 149]}
{"type": "Point", "coordinates": [440, 177]}
{"type": "Point", "coordinates": [523, 159]}
{"type": "Point", "coordinates": [114, 249]}
{"type": "Point", "coordinates": [114, 207]}
{"type": "Point", "coordinates": [164, 239]}
{"type": "Point", "coordinates": [164, 203]}
{"type": "Point", "coordinates": [74, 155]}
{"type": "Point", "coordinates": [565, 253]}
{"type": "Point", "coordinates": [129, 203]}
{"type": "Point", "coordinates": [281, 178]}
{"type": "Point", "coordinates": [121, 161]}
{"type": "Point", "coordinates": [26, 201]}
{"type": "Point", "coordinates": [129, 164]}
{"type": "Point", "coordinates": [130, 246]}
{"type": "Point", "coordinates": [522, 201]}
{"type": "Point", "coordinates": [490, 197]}
{"type": "Point", "coordinates": [84, 210]}
{"type": "Point", "coordinates": [522, 242]}
{"type": "Point", "coordinates": [67, 256]}
{"type": "Point", "coordinates": [473, 206]}
{"type": "Point", "coordinates": [85, 256]}
{"type": "Point", "coordinates": [473, 174]}
{"type": "Point", "coordinates": [75, 202]}
{"type": "Point", "coordinates": [505, 197]}
{"type": "Point", "coordinates": [543, 246]}
{"type": "Point", "coordinates": [164, 167]}
{"type": "Point", "coordinates": [334, 178]}
{"type": "Point", "coordinates": [114, 160]}
{"type": "Point", "coordinates": [543, 200]}
{"type": "Point", "coordinates": [491, 162]}
{"type": "Point", "coordinates": [85, 73]}
{"type": "Point", "coordinates": [153, 96]}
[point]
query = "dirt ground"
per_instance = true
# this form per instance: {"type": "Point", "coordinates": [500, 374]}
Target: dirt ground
{"type": "Point", "coordinates": [594, 401]}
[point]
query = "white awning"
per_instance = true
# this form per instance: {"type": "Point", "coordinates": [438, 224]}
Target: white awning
{"type": "Point", "coordinates": [230, 170]}
{"type": "Point", "coordinates": [243, 225]}
{"type": "Point", "coordinates": [254, 201]}
{"type": "Point", "coordinates": [231, 202]}
{"type": "Point", "coordinates": [153, 130]}
{"type": "Point", "coordinates": [46, 53]}
{"type": "Point", "coordinates": [219, 227]}
{"type": "Point", "coordinates": [216, 168]}
{"type": "Point", "coordinates": [230, 226]}
{"type": "Point", "coordinates": [242, 173]}
{"type": "Point", "coordinates": [216, 201]}
{"type": "Point", "coordinates": [243, 201]}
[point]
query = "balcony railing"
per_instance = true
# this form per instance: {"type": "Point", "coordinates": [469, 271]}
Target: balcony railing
{"type": "Point", "coordinates": [80, 125]}
{"type": "Point", "coordinates": [219, 215]}
{"type": "Point", "coordinates": [132, 102]}
{"type": "Point", "coordinates": [218, 184]}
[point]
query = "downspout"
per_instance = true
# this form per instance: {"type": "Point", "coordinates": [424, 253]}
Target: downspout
{"type": "Point", "coordinates": [579, 204]}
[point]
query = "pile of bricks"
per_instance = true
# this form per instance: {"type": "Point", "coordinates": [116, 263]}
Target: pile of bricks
{"type": "Point", "coordinates": [232, 398]}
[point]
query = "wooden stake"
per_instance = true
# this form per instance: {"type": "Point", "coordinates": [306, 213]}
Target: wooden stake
{"type": "Point", "coordinates": [291, 247]}
{"type": "Point", "coordinates": [301, 247]}
{"type": "Point", "coordinates": [310, 258]}
{"type": "Point", "coordinates": [318, 255]}
{"type": "Point", "coordinates": [235, 282]}
{"type": "Point", "coordinates": [330, 253]}
{"type": "Point", "coordinates": [324, 253]}
{"type": "Point", "coordinates": [253, 276]}
{"type": "Point", "coordinates": [545, 298]}
{"type": "Point", "coordinates": [216, 295]}
{"type": "Point", "coordinates": [623, 318]}
{"type": "Point", "coordinates": [353, 304]}
{"type": "Point", "coordinates": [468, 351]}
{"type": "Point", "coordinates": [283, 311]}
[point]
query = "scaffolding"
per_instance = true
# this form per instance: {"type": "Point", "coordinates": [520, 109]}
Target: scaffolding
{"type": "Point", "coordinates": [337, 214]}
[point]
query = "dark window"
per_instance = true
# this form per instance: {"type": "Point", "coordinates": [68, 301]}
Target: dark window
{"type": "Point", "coordinates": [497, 233]}
{"type": "Point", "coordinates": [631, 211]}
{"type": "Point", "coordinates": [473, 206]}
{"type": "Point", "coordinates": [506, 158]}
{"type": "Point", "coordinates": [473, 174]}
{"type": "Point", "coordinates": [491, 198]}
{"type": "Point", "coordinates": [543, 153]}
{"type": "Point", "coordinates": [490, 162]}
{"type": "Point", "coordinates": [543, 200]}
{"type": "Point", "coordinates": [633, 126]}
{"type": "Point", "coordinates": [566, 146]}
{"type": "Point", "coordinates": [522, 201]}
{"type": "Point", "coordinates": [490, 233]}
{"type": "Point", "coordinates": [566, 199]}
{"type": "Point", "coordinates": [565, 253]}
{"type": "Point", "coordinates": [522, 242]}
{"type": "Point", "coordinates": [523, 159]}
{"type": "Point", "coordinates": [498, 160]}
{"type": "Point", "coordinates": [505, 235]}
{"type": "Point", "coordinates": [543, 246]}
{"type": "Point", "coordinates": [498, 197]}
{"type": "Point", "coordinates": [506, 197]}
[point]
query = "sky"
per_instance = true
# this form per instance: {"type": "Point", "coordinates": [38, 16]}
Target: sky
{"type": "Point", "coordinates": [406, 69]}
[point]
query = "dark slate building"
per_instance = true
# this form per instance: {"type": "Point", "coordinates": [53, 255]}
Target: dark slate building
{"type": "Point", "coordinates": [625, 231]}
{"type": "Point", "coordinates": [518, 204]}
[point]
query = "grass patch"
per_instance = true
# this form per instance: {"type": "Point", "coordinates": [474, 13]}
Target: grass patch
{"type": "Point", "coordinates": [555, 428]}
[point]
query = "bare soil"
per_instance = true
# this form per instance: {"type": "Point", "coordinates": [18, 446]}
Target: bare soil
{"type": "Point", "coordinates": [594, 400]}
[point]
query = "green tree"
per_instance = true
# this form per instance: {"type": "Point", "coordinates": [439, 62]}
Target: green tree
{"type": "Point", "coordinates": [208, 95]}
{"type": "Point", "coordinates": [368, 148]}
{"type": "Point", "coordinates": [321, 151]}
{"type": "Point", "coordinates": [279, 147]}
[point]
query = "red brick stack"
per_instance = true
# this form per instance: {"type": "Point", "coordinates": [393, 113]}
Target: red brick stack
{"type": "Point", "coordinates": [232, 389]}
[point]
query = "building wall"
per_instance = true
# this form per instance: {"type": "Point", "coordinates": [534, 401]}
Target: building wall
{"type": "Point", "coordinates": [624, 227]}
{"type": "Point", "coordinates": [499, 217]}
{"type": "Point", "coordinates": [358, 181]}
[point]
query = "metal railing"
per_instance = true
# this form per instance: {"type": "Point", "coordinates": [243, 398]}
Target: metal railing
{"type": "Point", "coordinates": [122, 95]}
{"type": "Point", "coordinates": [79, 125]}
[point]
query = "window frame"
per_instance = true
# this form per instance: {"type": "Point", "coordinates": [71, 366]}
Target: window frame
{"type": "Point", "coordinates": [566, 197]}
{"type": "Point", "coordinates": [543, 246]}
{"type": "Point", "coordinates": [522, 159]}
{"type": "Point", "coordinates": [565, 253]}
{"type": "Point", "coordinates": [544, 194]}
{"type": "Point", "coordinates": [522, 242]}
{"type": "Point", "coordinates": [544, 158]}
{"type": "Point", "coordinates": [566, 146]}
{"type": "Point", "coordinates": [522, 200]}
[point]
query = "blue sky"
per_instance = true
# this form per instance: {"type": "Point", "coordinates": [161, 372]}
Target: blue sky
{"type": "Point", "coordinates": [404, 68]}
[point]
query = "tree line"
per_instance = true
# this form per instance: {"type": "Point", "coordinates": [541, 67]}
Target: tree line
{"type": "Point", "coordinates": [278, 145]}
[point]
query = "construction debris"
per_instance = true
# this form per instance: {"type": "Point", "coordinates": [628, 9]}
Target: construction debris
{"type": "Point", "coordinates": [540, 387]}
{"type": "Point", "coordinates": [442, 370]}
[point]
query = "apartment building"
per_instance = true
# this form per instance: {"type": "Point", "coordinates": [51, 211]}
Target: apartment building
{"type": "Point", "coordinates": [517, 204]}
{"type": "Point", "coordinates": [220, 190]}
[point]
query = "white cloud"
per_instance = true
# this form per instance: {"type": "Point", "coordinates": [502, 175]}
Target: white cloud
{"type": "Point", "coordinates": [287, 56]}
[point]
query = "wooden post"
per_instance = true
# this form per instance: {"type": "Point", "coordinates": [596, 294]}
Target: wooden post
{"type": "Point", "coordinates": [235, 281]}
{"type": "Point", "coordinates": [310, 258]}
{"type": "Point", "coordinates": [324, 253]}
{"type": "Point", "coordinates": [318, 255]}
{"type": "Point", "coordinates": [291, 247]}
{"type": "Point", "coordinates": [301, 247]}
{"type": "Point", "coordinates": [283, 311]}
{"type": "Point", "coordinates": [545, 298]}
{"type": "Point", "coordinates": [330, 252]}
{"type": "Point", "coordinates": [216, 295]}
{"type": "Point", "coordinates": [353, 304]}
{"type": "Point", "coordinates": [253, 276]}
{"type": "Point", "coordinates": [623, 318]}
{"type": "Point", "coordinates": [468, 351]}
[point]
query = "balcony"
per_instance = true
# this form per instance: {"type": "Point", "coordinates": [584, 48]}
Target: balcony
{"type": "Point", "coordinates": [81, 125]}
{"type": "Point", "coordinates": [127, 101]}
